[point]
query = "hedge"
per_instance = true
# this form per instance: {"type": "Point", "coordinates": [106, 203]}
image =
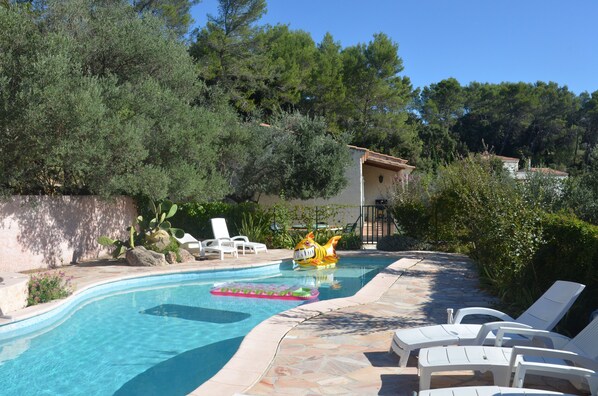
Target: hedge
{"type": "Point", "coordinates": [569, 252]}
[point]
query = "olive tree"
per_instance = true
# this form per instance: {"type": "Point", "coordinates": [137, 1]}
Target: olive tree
{"type": "Point", "coordinates": [97, 99]}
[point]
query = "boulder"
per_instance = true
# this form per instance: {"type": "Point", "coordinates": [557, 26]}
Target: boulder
{"type": "Point", "coordinates": [186, 256]}
{"type": "Point", "coordinates": [141, 257]}
{"type": "Point", "coordinates": [170, 257]}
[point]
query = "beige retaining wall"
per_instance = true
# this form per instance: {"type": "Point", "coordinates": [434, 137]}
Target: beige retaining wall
{"type": "Point", "coordinates": [44, 231]}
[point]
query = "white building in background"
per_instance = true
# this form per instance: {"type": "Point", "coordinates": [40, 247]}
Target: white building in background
{"type": "Point", "coordinates": [512, 166]}
{"type": "Point", "coordinates": [371, 177]}
{"type": "Point", "coordinates": [526, 173]}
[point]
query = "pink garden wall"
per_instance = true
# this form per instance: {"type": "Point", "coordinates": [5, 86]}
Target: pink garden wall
{"type": "Point", "coordinates": [44, 231]}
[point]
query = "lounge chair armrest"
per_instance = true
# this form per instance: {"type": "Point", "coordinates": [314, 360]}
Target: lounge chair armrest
{"type": "Point", "coordinates": [557, 340]}
{"type": "Point", "coordinates": [240, 238]}
{"type": "Point", "coordinates": [492, 326]}
{"type": "Point", "coordinates": [537, 368]}
{"type": "Point", "coordinates": [579, 360]}
{"type": "Point", "coordinates": [463, 312]}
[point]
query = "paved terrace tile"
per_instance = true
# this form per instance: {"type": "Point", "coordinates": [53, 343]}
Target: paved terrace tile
{"type": "Point", "coordinates": [346, 351]}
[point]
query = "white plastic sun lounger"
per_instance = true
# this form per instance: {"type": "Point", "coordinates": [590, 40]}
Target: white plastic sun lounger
{"type": "Point", "coordinates": [576, 357]}
{"type": "Point", "coordinates": [544, 314]}
{"type": "Point", "coordinates": [487, 391]}
{"type": "Point", "coordinates": [191, 244]}
{"type": "Point", "coordinates": [220, 231]}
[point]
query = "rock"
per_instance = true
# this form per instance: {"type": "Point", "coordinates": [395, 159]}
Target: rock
{"type": "Point", "coordinates": [141, 257]}
{"type": "Point", "coordinates": [186, 256]}
{"type": "Point", "coordinates": [170, 257]}
{"type": "Point", "coordinates": [159, 238]}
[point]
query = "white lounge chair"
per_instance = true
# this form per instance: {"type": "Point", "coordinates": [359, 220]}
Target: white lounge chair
{"type": "Point", "coordinates": [521, 369]}
{"type": "Point", "coordinates": [191, 244]}
{"type": "Point", "coordinates": [487, 391]}
{"type": "Point", "coordinates": [544, 314]}
{"type": "Point", "coordinates": [220, 231]}
{"type": "Point", "coordinates": [571, 357]}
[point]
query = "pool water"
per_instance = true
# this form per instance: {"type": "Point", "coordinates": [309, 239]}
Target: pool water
{"type": "Point", "coordinates": [163, 339]}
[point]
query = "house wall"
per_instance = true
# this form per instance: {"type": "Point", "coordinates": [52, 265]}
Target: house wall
{"type": "Point", "coordinates": [363, 186]}
{"type": "Point", "coordinates": [349, 196]}
{"type": "Point", "coordinates": [44, 231]}
{"type": "Point", "coordinates": [373, 188]}
{"type": "Point", "coordinates": [511, 166]}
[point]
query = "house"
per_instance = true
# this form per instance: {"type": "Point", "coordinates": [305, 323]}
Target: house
{"type": "Point", "coordinates": [509, 163]}
{"type": "Point", "coordinates": [526, 173]}
{"type": "Point", "coordinates": [512, 166]}
{"type": "Point", "coordinates": [370, 178]}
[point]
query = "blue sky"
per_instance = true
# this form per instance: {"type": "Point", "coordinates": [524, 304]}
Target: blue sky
{"type": "Point", "coordinates": [470, 40]}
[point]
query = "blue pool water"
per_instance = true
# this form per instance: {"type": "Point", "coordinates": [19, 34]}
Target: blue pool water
{"type": "Point", "coordinates": [161, 335]}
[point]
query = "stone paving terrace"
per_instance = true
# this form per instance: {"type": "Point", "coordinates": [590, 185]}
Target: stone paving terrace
{"type": "Point", "coordinates": [346, 351]}
{"type": "Point", "coordinates": [341, 349]}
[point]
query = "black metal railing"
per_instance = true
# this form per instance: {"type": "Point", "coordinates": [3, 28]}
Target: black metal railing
{"type": "Point", "coordinates": [376, 221]}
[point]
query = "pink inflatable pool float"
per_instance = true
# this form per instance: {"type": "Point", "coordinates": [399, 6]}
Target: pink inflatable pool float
{"type": "Point", "coordinates": [270, 291]}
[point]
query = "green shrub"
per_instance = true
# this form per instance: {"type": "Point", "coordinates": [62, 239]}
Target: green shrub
{"type": "Point", "coordinates": [491, 215]}
{"type": "Point", "coordinates": [255, 226]}
{"type": "Point", "coordinates": [473, 206]}
{"type": "Point", "coordinates": [569, 252]}
{"type": "Point", "coordinates": [410, 207]}
{"type": "Point", "coordinates": [349, 241]}
{"type": "Point", "coordinates": [48, 286]}
{"type": "Point", "coordinates": [194, 217]}
{"type": "Point", "coordinates": [520, 250]}
{"type": "Point", "coordinates": [398, 243]}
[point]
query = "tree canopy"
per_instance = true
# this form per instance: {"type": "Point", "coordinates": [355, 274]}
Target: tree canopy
{"type": "Point", "coordinates": [97, 100]}
{"type": "Point", "coordinates": [295, 158]}
{"type": "Point", "coordinates": [115, 97]}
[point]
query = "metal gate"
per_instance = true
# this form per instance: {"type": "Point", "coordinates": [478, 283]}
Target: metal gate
{"type": "Point", "coordinates": [375, 222]}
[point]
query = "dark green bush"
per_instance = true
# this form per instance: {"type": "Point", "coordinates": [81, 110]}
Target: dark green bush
{"type": "Point", "coordinates": [520, 250]}
{"type": "Point", "coordinates": [256, 226]}
{"type": "Point", "coordinates": [194, 217]}
{"type": "Point", "coordinates": [399, 243]}
{"type": "Point", "coordinates": [569, 252]}
{"type": "Point", "coordinates": [472, 206]}
{"type": "Point", "coordinates": [411, 207]}
{"type": "Point", "coordinates": [349, 241]}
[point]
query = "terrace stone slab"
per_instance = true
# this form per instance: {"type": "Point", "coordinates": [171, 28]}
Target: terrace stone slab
{"type": "Point", "coordinates": [349, 347]}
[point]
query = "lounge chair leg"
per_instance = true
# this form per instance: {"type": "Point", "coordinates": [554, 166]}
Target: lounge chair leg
{"type": "Point", "coordinates": [425, 377]}
{"type": "Point", "coordinates": [402, 353]}
{"type": "Point", "coordinates": [502, 376]}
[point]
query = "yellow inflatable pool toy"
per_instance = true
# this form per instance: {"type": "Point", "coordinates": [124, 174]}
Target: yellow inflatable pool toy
{"type": "Point", "coordinates": [310, 255]}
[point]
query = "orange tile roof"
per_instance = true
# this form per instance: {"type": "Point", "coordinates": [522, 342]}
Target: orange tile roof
{"type": "Point", "coordinates": [549, 171]}
{"type": "Point", "coordinates": [383, 160]}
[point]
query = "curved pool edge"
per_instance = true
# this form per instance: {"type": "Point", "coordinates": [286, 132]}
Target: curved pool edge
{"type": "Point", "coordinates": [46, 308]}
{"type": "Point", "coordinates": [259, 347]}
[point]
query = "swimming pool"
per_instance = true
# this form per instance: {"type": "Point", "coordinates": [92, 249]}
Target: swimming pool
{"type": "Point", "coordinates": [158, 335]}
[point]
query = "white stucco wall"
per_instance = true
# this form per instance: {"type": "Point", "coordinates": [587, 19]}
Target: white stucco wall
{"type": "Point", "coordinates": [350, 195]}
{"type": "Point", "coordinates": [363, 188]}
{"type": "Point", "coordinates": [373, 188]}
{"type": "Point", "coordinates": [511, 166]}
